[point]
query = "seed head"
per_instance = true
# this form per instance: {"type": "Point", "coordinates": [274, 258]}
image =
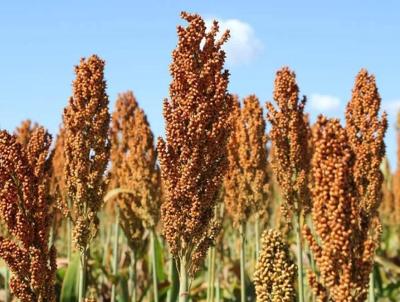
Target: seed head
{"type": "Point", "coordinates": [246, 180]}
{"type": "Point", "coordinates": [24, 131]}
{"type": "Point", "coordinates": [87, 148]}
{"type": "Point", "coordinates": [24, 208]}
{"type": "Point", "coordinates": [366, 133]}
{"type": "Point", "coordinates": [289, 150]}
{"type": "Point", "coordinates": [193, 156]}
{"type": "Point", "coordinates": [345, 253]}
{"type": "Point", "coordinates": [134, 167]}
{"type": "Point", "coordinates": [275, 272]}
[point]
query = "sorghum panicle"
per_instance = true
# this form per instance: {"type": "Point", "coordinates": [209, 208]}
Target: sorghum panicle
{"type": "Point", "coordinates": [134, 166]}
{"type": "Point", "coordinates": [366, 133]}
{"type": "Point", "coordinates": [246, 180]}
{"type": "Point", "coordinates": [86, 148]}
{"type": "Point", "coordinates": [24, 207]}
{"type": "Point", "coordinates": [388, 207]}
{"type": "Point", "coordinates": [275, 272]}
{"type": "Point", "coordinates": [343, 253]}
{"type": "Point", "coordinates": [396, 178]}
{"type": "Point", "coordinates": [289, 150]}
{"type": "Point", "coordinates": [236, 190]}
{"type": "Point", "coordinates": [193, 156]}
{"type": "Point", "coordinates": [57, 180]}
{"type": "Point", "coordinates": [24, 132]}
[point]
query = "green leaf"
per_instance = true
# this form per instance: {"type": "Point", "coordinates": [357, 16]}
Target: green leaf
{"type": "Point", "coordinates": [69, 291]}
{"type": "Point", "coordinates": [173, 291]}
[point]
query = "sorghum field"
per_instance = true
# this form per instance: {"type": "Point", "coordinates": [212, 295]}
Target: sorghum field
{"type": "Point", "coordinates": [240, 200]}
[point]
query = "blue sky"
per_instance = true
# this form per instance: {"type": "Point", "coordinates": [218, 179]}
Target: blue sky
{"type": "Point", "coordinates": [326, 43]}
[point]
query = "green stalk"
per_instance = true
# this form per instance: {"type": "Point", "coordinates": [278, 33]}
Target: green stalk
{"type": "Point", "coordinates": [69, 234]}
{"type": "Point", "coordinates": [132, 278]}
{"type": "Point", "coordinates": [371, 287]}
{"type": "Point", "coordinates": [173, 291]}
{"type": "Point", "coordinates": [209, 276]}
{"type": "Point", "coordinates": [257, 233]}
{"type": "Point", "coordinates": [183, 281]}
{"type": "Point", "coordinates": [6, 287]}
{"type": "Point", "coordinates": [154, 264]}
{"type": "Point", "coordinates": [212, 279]}
{"type": "Point", "coordinates": [116, 252]}
{"type": "Point", "coordinates": [299, 257]}
{"type": "Point", "coordinates": [242, 262]}
{"type": "Point", "coordinates": [218, 287]}
{"type": "Point", "coordinates": [82, 275]}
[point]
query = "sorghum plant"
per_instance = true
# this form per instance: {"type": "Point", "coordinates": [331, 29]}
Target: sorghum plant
{"type": "Point", "coordinates": [86, 151]}
{"type": "Point", "coordinates": [193, 156]}
{"type": "Point", "coordinates": [135, 170]}
{"type": "Point", "coordinates": [24, 132]}
{"type": "Point", "coordinates": [366, 132]}
{"type": "Point", "coordinates": [388, 206]}
{"type": "Point", "coordinates": [275, 273]}
{"type": "Point", "coordinates": [57, 186]}
{"type": "Point", "coordinates": [396, 177]}
{"type": "Point", "coordinates": [290, 153]}
{"type": "Point", "coordinates": [236, 189]}
{"type": "Point", "coordinates": [245, 182]}
{"type": "Point", "coordinates": [342, 250]}
{"type": "Point", "coordinates": [24, 208]}
{"type": "Point", "coordinates": [253, 156]}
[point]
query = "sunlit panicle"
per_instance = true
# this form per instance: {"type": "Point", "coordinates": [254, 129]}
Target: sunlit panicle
{"type": "Point", "coordinates": [193, 155]}
{"type": "Point", "coordinates": [86, 148]}
{"type": "Point", "coordinates": [24, 208]}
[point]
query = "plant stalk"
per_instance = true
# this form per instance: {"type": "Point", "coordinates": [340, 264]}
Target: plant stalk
{"type": "Point", "coordinates": [212, 279]}
{"type": "Point", "coordinates": [132, 278]}
{"type": "Point", "coordinates": [299, 257]}
{"type": "Point", "coordinates": [371, 287]}
{"type": "Point", "coordinates": [69, 234]}
{"type": "Point", "coordinates": [218, 287]}
{"type": "Point", "coordinates": [183, 281]}
{"type": "Point", "coordinates": [82, 275]}
{"type": "Point", "coordinates": [116, 253]}
{"type": "Point", "coordinates": [209, 276]}
{"type": "Point", "coordinates": [154, 264]}
{"type": "Point", "coordinates": [6, 286]}
{"type": "Point", "coordinates": [257, 234]}
{"type": "Point", "coordinates": [242, 262]}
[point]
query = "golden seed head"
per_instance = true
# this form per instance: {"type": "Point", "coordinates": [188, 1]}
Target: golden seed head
{"type": "Point", "coordinates": [342, 248]}
{"type": "Point", "coordinates": [134, 167]}
{"type": "Point", "coordinates": [366, 134]}
{"type": "Point", "coordinates": [86, 149]}
{"type": "Point", "coordinates": [24, 208]}
{"type": "Point", "coordinates": [289, 135]}
{"type": "Point", "coordinates": [246, 180]}
{"type": "Point", "coordinates": [193, 156]}
{"type": "Point", "coordinates": [24, 131]}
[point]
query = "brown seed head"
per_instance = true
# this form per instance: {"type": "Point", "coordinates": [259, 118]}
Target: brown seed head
{"type": "Point", "coordinates": [366, 133]}
{"type": "Point", "coordinates": [289, 150]}
{"type": "Point", "coordinates": [134, 166]}
{"type": "Point", "coordinates": [24, 131]}
{"type": "Point", "coordinates": [87, 148]}
{"type": "Point", "coordinates": [345, 253]}
{"type": "Point", "coordinates": [246, 181]}
{"type": "Point", "coordinates": [396, 178]}
{"type": "Point", "coordinates": [24, 208]}
{"type": "Point", "coordinates": [193, 156]}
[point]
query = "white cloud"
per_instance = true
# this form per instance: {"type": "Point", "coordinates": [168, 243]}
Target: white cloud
{"type": "Point", "coordinates": [391, 107]}
{"type": "Point", "coordinates": [324, 102]}
{"type": "Point", "coordinates": [243, 45]}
